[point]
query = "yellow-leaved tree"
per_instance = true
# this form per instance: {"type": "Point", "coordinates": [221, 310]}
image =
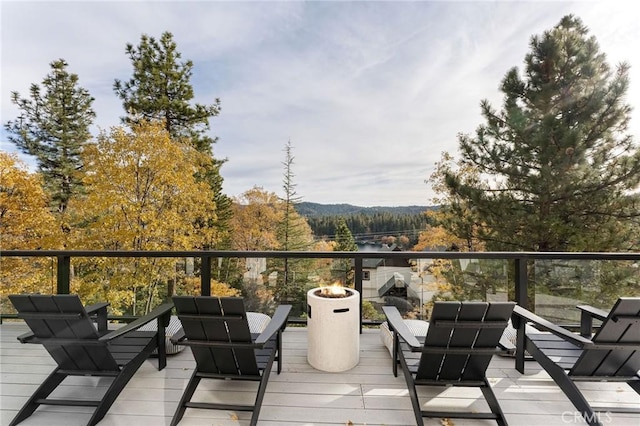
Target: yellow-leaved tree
{"type": "Point", "coordinates": [25, 224]}
{"type": "Point", "coordinates": [257, 221]}
{"type": "Point", "coordinates": [142, 194]}
{"type": "Point", "coordinates": [256, 215]}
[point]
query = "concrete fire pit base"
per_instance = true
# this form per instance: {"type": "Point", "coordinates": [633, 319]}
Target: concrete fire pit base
{"type": "Point", "coordinates": [333, 331]}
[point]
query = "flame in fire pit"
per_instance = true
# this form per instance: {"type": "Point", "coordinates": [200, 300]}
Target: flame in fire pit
{"type": "Point", "coordinates": [333, 290]}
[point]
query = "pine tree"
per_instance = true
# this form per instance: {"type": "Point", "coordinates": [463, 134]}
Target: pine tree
{"type": "Point", "coordinates": [288, 231]}
{"type": "Point", "coordinates": [556, 169]}
{"type": "Point", "coordinates": [344, 238]}
{"type": "Point", "coordinates": [293, 234]}
{"type": "Point", "coordinates": [53, 126]}
{"type": "Point", "coordinates": [160, 90]}
{"type": "Point", "coordinates": [344, 242]}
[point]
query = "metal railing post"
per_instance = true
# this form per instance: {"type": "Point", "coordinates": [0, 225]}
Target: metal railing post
{"type": "Point", "coordinates": [64, 274]}
{"type": "Point", "coordinates": [358, 284]}
{"type": "Point", "coordinates": [205, 276]}
{"type": "Point", "coordinates": [522, 299]}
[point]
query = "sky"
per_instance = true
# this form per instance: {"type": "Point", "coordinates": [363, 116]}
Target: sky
{"type": "Point", "coordinates": [368, 93]}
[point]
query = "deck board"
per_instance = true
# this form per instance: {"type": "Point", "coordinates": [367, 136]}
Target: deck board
{"type": "Point", "coordinates": [368, 394]}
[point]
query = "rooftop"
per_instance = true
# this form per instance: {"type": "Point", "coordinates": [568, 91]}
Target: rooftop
{"type": "Point", "coordinates": [368, 394]}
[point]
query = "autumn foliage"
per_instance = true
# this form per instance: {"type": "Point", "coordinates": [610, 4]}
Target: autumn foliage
{"type": "Point", "coordinates": [140, 194]}
{"type": "Point", "coordinates": [25, 223]}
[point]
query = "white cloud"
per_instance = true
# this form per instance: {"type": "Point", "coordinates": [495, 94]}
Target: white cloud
{"type": "Point", "coordinates": [369, 93]}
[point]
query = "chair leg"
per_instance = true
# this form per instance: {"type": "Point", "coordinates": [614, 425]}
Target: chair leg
{"type": "Point", "coordinates": [186, 397]}
{"type": "Point", "coordinates": [395, 348]}
{"type": "Point", "coordinates": [119, 383]}
{"type": "Point", "coordinates": [521, 340]}
{"type": "Point", "coordinates": [44, 390]}
{"type": "Point", "coordinates": [567, 385]}
{"type": "Point", "coordinates": [162, 344]}
{"type": "Point", "coordinates": [415, 402]}
{"type": "Point", "coordinates": [279, 348]}
{"type": "Point", "coordinates": [492, 401]}
{"type": "Point", "coordinates": [261, 390]}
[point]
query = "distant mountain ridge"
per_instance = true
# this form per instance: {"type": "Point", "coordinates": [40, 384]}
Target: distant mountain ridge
{"type": "Point", "coordinates": [309, 209]}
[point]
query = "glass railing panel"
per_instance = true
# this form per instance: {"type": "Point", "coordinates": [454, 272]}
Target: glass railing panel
{"type": "Point", "coordinates": [135, 284]}
{"type": "Point", "coordinates": [132, 286]}
{"type": "Point", "coordinates": [265, 282]}
{"type": "Point", "coordinates": [558, 286]}
{"type": "Point", "coordinates": [25, 275]}
{"type": "Point", "coordinates": [430, 280]}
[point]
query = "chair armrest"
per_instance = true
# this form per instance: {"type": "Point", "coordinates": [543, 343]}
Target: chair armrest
{"type": "Point", "coordinates": [96, 307]}
{"type": "Point", "coordinates": [587, 314]}
{"type": "Point", "coordinates": [178, 336]}
{"type": "Point", "coordinates": [100, 311]}
{"type": "Point", "coordinates": [553, 328]}
{"type": "Point", "coordinates": [596, 313]}
{"type": "Point", "coordinates": [397, 325]}
{"type": "Point", "coordinates": [278, 323]}
{"type": "Point", "coordinates": [25, 337]}
{"type": "Point", "coordinates": [160, 311]}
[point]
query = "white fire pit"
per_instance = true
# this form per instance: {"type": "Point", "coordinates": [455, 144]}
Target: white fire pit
{"type": "Point", "coordinates": [333, 329]}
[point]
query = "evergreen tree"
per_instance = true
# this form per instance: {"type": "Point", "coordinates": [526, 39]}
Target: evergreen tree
{"type": "Point", "coordinates": [53, 126]}
{"type": "Point", "coordinates": [160, 89]}
{"type": "Point", "coordinates": [344, 238]}
{"type": "Point", "coordinates": [293, 234]}
{"type": "Point", "coordinates": [371, 226]}
{"type": "Point", "coordinates": [557, 170]}
{"type": "Point", "coordinates": [289, 226]}
{"type": "Point", "coordinates": [455, 226]}
{"type": "Point", "coordinates": [344, 242]}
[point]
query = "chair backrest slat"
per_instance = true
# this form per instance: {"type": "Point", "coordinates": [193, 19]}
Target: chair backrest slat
{"type": "Point", "coordinates": [488, 338]}
{"type": "Point", "coordinates": [430, 364]}
{"type": "Point", "coordinates": [473, 334]}
{"type": "Point", "coordinates": [198, 330]}
{"type": "Point", "coordinates": [602, 362]}
{"type": "Point", "coordinates": [239, 332]}
{"type": "Point", "coordinates": [63, 316]}
{"type": "Point", "coordinates": [453, 365]}
{"type": "Point", "coordinates": [216, 328]}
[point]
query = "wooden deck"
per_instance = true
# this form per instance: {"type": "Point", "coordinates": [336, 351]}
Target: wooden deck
{"type": "Point", "coordinates": [366, 395]}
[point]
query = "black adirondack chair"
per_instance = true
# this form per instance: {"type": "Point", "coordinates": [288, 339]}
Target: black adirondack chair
{"type": "Point", "coordinates": [66, 329]}
{"type": "Point", "coordinates": [218, 333]}
{"type": "Point", "coordinates": [613, 354]}
{"type": "Point", "coordinates": [461, 339]}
